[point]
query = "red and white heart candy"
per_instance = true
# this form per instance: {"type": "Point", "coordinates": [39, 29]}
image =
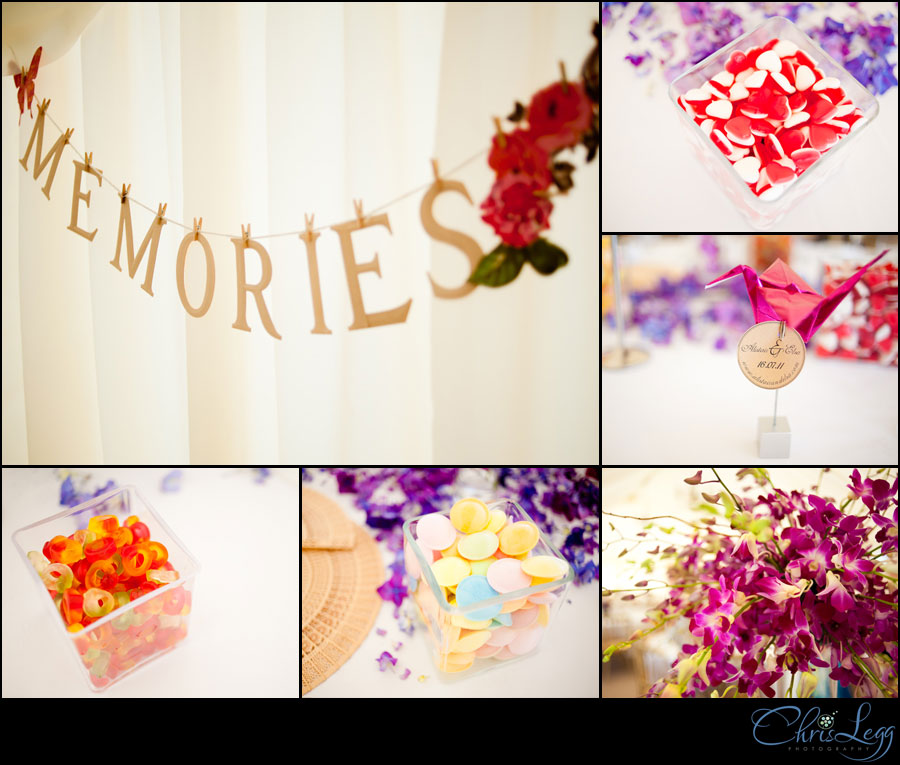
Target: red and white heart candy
{"type": "Point", "coordinates": [773, 113]}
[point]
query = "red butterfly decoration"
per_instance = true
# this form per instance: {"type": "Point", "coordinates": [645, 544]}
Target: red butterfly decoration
{"type": "Point", "coordinates": [25, 83]}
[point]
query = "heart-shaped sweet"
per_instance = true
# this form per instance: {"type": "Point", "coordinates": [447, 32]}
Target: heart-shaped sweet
{"type": "Point", "coordinates": [803, 158]}
{"type": "Point", "coordinates": [791, 140]}
{"type": "Point", "coordinates": [805, 78]}
{"type": "Point", "coordinates": [738, 129]}
{"type": "Point", "coordinates": [822, 137]}
{"type": "Point", "coordinates": [779, 173]}
{"type": "Point", "coordinates": [720, 109]}
{"type": "Point", "coordinates": [821, 110]}
{"type": "Point", "coordinates": [737, 62]}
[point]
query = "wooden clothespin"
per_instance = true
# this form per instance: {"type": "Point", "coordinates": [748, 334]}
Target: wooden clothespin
{"type": "Point", "coordinates": [565, 82]}
{"type": "Point", "coordinates": [68, 134]}
{"type": "Point", "coordinates": [197, 228]}
{"type": "Point", "coordinates": [245, 233]}
{"type": "Point", "coordinates": [43, 106]}
{"type": "Point", "coordinates": [88, 158]}
{"type": "Point", "coordinates": [124, 193]}
{"type": "Point", "coordinates": [308, 221]}
{"type": "Point", "coordinates": [161, 214]}
{"type": "Point", "coordinates": [501, 139]}
{"type": "Point", "coordinates": [358, 206]}
{"type": "Point", "coordinates": [437, 173]}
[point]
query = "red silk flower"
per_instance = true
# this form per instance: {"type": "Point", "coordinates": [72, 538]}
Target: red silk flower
{"type": "Point", "coordinates": [558, 115]}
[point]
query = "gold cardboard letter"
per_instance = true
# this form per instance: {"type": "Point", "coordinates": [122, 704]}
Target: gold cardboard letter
{"type": "Point", "coordinates": [361, 319]}
{"type": "Point", "coordinates": [240, 244]}
{"type": "Point", "coordinates": [465, 244]}
{"type": "Point", "coordinates": [210, 273]}
{"type": "Point", "coordinates": [151, 238]}
{"type": "Point", "coordinates": [77, 194]}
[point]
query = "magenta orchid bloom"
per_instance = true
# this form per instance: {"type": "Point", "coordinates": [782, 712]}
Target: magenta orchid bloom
{"type": "Point", "coordinates": [840, 598]}
{"type": "Point", "coordinates": [798, 581]}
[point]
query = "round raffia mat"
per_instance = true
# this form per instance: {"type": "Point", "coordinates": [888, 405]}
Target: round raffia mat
{"type": "Point", "coordinates": [340, 604]}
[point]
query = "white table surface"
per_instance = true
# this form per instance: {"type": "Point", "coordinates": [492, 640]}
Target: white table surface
{"type": "Point", "coordinates": [653, 182]}
{"type": "Point", "coordinates": [691, 404]}
{"type": "Point", "coordinates": [567, 664]}
{"type": "Point", "coordinates": [244, 631]}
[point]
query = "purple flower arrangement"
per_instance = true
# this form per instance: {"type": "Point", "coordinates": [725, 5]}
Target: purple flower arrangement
{"type": "Point", "coordinates": [564, 502]}
{"type": "Point", "coordinates": [866, 48]}
{"type": "Point", "coordinates": [780, 585]}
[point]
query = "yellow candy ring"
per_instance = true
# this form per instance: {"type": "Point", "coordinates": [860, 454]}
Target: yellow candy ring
{"type": "Point", "coordinates": [98, 602]}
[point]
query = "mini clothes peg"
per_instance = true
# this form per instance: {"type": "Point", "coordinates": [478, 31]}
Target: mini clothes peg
{"type": "Point", "coordinates": [437, 173]}
{"type": "Point", "coordinates": [124, 194]}
{"type": "Point", "coordinates": [358, 207]}
{"type": "Point", "coordinates": [89, 168]}
{"type": "Point", "coordinates": [197, 227]}
{"type": "Point", "coordinates": [161, 214]}
{"type": "Point", "coordinates": [501, 138]}
{"type": "Point", "coordinates": [245, 234]}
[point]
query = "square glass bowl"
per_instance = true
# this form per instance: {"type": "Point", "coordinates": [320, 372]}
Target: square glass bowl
{"type": "Point", "coordinates": [758, 213]}
{"type": "Point", "coordinates": [463, 642]}
{"type": "Point", "coordinates": [133, 634]}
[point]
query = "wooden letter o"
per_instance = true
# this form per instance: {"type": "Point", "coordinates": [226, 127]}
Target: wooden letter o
{"type": "Point", "coordinates": [210, 274]}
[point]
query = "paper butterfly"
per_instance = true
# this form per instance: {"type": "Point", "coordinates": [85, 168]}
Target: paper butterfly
{"type": "Point", "coordinates": [25, 83]}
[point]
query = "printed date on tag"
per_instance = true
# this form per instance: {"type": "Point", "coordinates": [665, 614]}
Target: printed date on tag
{"type": "Point", "coordinates": [768, 360]}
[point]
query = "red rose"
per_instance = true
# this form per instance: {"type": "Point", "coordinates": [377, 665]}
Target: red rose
{"type": "Point", "coordinates": [559, 115]}
{"type": "Point", "coordinates": [521, 156]}
{"type": "Point", "coordinates": [514, 212]}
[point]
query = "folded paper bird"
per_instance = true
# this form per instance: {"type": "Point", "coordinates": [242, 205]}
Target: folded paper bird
{"type": "Point", "coordinates": [778, 294]}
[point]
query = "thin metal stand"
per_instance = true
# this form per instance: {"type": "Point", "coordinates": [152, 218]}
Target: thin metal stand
{"type": "Point", "coordinates": [620, 356]}
{"type": "Point", "coordinates": [774, 438]}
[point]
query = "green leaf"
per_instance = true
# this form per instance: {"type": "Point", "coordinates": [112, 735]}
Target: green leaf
{"type": "Point", "coordinates": [728, 504]}
{"type": "Point", "coordinates": [499, 267]}
{"type": "Point", "coordinates": [545, 257]}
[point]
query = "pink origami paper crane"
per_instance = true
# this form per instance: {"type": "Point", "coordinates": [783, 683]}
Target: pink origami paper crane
{"type": "Point", "coordinates": [778, 294]}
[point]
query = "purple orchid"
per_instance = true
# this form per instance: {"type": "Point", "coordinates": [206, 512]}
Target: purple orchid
{"type": "Point", "coordinates": [813, 562]}
{"type": "Point", "coordinates": [876, 495]}
{"type": "Point", "coordinates": [804, 582]}
{"type": "Point", "coordinates": [841, 600]}
{"type": "Point", "coordinates": [714, 621]}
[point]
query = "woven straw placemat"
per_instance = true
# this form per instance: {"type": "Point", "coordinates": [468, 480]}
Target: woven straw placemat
{"type": "Point", "coordinates": [340, 603]}
{"type": "Point", "coordinates": [323, 524]}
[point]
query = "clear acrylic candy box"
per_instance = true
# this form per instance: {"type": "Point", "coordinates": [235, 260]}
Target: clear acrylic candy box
{"type": "Point", "coordinates": [526, 614]}
{"type": "Point", "coordinates": [759, 213]}
{"type": "Point", "coordinates": [134, 634]}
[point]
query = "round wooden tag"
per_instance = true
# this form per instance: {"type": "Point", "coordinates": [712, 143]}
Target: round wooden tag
{"type": "Point", "coordinates": [770, 361]}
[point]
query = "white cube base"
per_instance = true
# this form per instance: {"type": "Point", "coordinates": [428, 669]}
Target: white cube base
{"type": "Point", "coordinates": [774, 440]}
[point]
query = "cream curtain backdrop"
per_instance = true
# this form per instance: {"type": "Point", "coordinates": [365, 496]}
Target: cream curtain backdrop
{"type": "Point", "coordinates": [257, 114]}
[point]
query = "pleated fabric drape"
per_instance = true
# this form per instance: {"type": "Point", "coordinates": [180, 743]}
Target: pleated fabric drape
{"type": "Point", "coordinates": [256, 114]}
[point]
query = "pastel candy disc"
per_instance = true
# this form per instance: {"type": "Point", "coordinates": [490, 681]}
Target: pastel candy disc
{"type": "Point", "coordinates": [435, 531]}
{"type": "Point", "coordinates": [518, 538]}
{"type": "Point", "coordinates": [470, 515]}
{"type": "Point", "coordinates": [477, 546]}
{"type": "Point", "coordinates": [506, 575]}
{"type": "Point", "coordinates": [450, 571]}
{"type": "Point", "coordinates": [544, 566]}
{"type": "Point", "coordinates": [473, 589]}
